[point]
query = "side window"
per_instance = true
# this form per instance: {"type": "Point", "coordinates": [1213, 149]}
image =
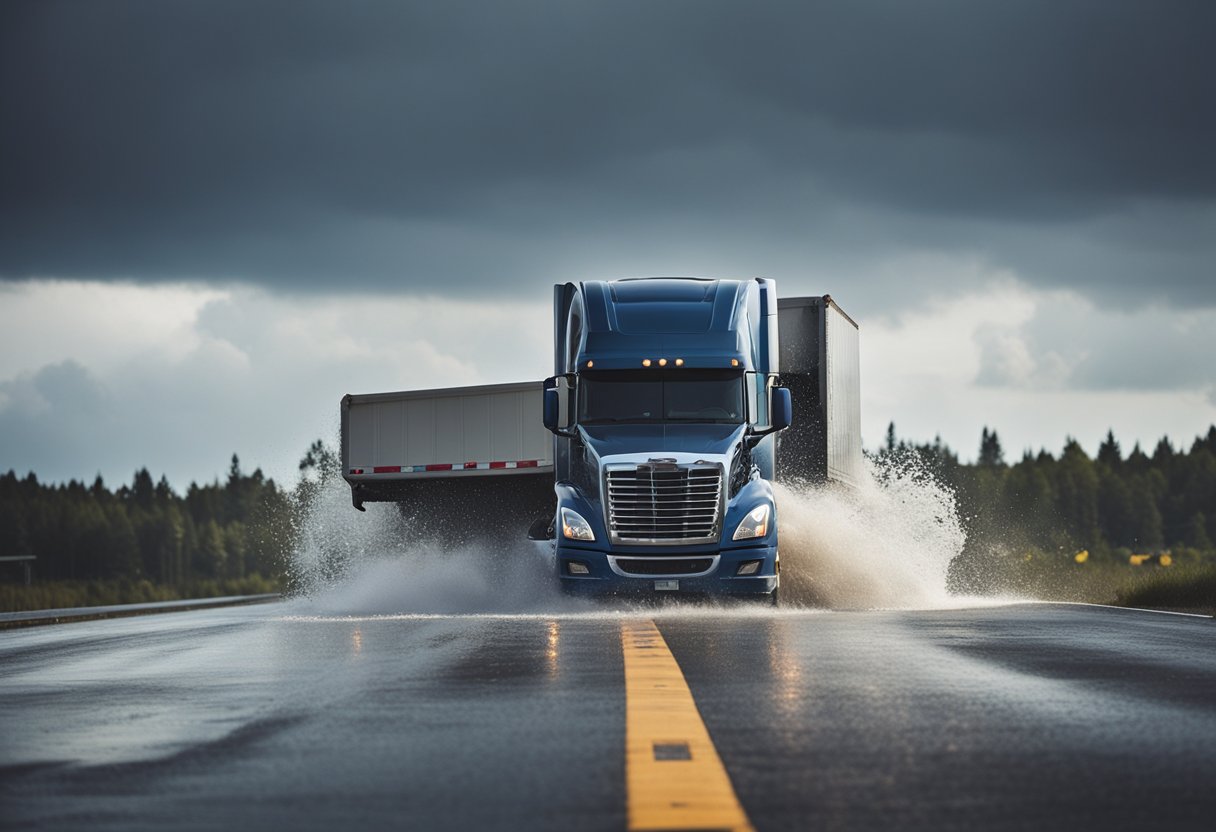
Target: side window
{"type": "Point", "coordinates": [574, 334]}
{"type": "Point", "coordinates": [758, 385]}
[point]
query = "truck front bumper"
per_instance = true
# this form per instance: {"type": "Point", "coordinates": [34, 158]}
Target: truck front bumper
{"type": "Point", "coordinates": [712, 573]}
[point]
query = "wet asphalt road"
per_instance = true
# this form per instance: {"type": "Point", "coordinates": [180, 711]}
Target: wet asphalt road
{"type": "Point", "coordinates": [1029, 716]}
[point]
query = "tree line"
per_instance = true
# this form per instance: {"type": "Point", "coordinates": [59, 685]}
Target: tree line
{"type": "Point", "coordinates": [219, 533]}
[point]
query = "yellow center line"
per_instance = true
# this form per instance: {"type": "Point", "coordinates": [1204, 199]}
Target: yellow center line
{"type": "Point", "coordinates": [674, 777]}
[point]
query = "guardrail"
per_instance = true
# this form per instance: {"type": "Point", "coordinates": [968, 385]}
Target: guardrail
{"type": "Point", "coordinates": [34, 618]}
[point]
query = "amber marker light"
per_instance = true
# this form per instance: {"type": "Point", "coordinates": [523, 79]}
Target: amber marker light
{"type": "Point", "coordinates": [590, 364]}
{"type": "Point", "coordinates": [645, 362]}
{"type": "Point", "coordinates": [734, 362]}
{"type": "Point", "coordinates": [662, 362]}
{"type": "Point", "coordinates": [679, 362]}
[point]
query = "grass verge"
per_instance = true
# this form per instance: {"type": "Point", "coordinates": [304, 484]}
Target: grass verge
{"type": "Point", "coordinates": [1189, 588]}
{"type": "Point", "coordinates": [66, 594]}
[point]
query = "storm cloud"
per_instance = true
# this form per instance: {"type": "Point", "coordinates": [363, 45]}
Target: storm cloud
{"type": "Point", "coordinates": [218, 217]}
{"type": "Point", "coordinates": [479, 148]}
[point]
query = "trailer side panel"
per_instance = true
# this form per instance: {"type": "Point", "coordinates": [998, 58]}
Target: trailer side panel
{"type": "Point", "coordinates": [494, 430]}
{"type": "Point", "coordinates": [819, 365]}
{"type": "Point", "coordinates": [842, 395]}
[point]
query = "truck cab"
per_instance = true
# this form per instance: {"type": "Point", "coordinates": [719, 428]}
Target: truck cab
{"type": "Point", "coordinates": [664, 405]}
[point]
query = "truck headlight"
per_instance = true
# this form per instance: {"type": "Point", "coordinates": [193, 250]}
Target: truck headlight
{"type": "Point", "coordinates": [755, 524]}
{"type": "Point", "coordinates": [574, 527]}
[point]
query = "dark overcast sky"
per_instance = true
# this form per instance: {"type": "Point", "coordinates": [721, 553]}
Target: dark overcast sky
{"type": "Point", "coordinates": [464, 148]}
{"type": "Point", "coordinates": [209, 204]}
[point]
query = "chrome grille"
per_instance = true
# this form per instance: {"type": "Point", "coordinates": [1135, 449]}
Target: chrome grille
{"type": "Point", "coordinates": [662, 502]}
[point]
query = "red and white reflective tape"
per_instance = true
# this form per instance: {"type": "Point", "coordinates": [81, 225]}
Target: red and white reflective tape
{"type": "Point", "coordinates": [445, 466]}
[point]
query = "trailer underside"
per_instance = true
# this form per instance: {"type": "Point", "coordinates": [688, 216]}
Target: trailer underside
{"type": "Point", "coordinates": [459, 510]}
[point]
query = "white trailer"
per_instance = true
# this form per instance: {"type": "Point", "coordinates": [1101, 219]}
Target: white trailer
{"type": "Point", "coordinates": [427, 448]}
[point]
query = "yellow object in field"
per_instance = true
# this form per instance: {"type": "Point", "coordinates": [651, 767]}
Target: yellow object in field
{"type": "Point", "coordinates": [1138, 560]}
{"type": "Point", "coordinates": [1166, 560]}
{"type": "Point", "coordinates": [1081, 556]}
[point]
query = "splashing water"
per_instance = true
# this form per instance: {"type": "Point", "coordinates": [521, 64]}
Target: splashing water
{"type": "Point", "coordinates": [377, 562]}
{"type": "Point", "coordinates": [885, 544]}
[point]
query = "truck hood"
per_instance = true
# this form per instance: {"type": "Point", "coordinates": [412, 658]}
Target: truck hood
{"type": "Point", "coordinates": [662, 439]}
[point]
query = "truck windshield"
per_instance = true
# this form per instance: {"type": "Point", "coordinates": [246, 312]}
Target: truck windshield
{"type": "Point", "coordinates": [661, 396]}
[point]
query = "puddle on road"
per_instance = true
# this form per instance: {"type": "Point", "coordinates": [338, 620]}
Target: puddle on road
{"type": "Point", "coordinates": [885, 545]}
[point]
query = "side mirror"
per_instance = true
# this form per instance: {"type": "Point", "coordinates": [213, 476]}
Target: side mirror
{"type": "Point", "coordinates": [552, 406]}
{"type": "Point", "coordinates": [558, 413]}
{"type": "Point", "coordinates": [782, 411]}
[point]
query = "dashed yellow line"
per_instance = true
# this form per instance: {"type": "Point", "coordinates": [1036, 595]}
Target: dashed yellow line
{"type": "Point", "coordinates": [674, 777]}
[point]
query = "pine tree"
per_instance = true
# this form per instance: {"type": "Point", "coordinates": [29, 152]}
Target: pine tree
{"type": "Point", "coordinates": [1109, 452]}
{"type": "Point", "coordinates": [143, 492]}
{"type": "Point", "coordinates": [1076, 487]}
{"type": "Point", "coordinates": [991, 454]}
{"type": "Point", "coordinates": [1163, 454]}
{"type": "Point", "coordinates": [164, 492]}
{"type": "Point", "coordinates": [321, 459]}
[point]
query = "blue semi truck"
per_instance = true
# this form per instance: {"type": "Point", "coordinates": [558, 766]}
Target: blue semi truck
{"type": "Point", "coordinates": [674, 404]}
